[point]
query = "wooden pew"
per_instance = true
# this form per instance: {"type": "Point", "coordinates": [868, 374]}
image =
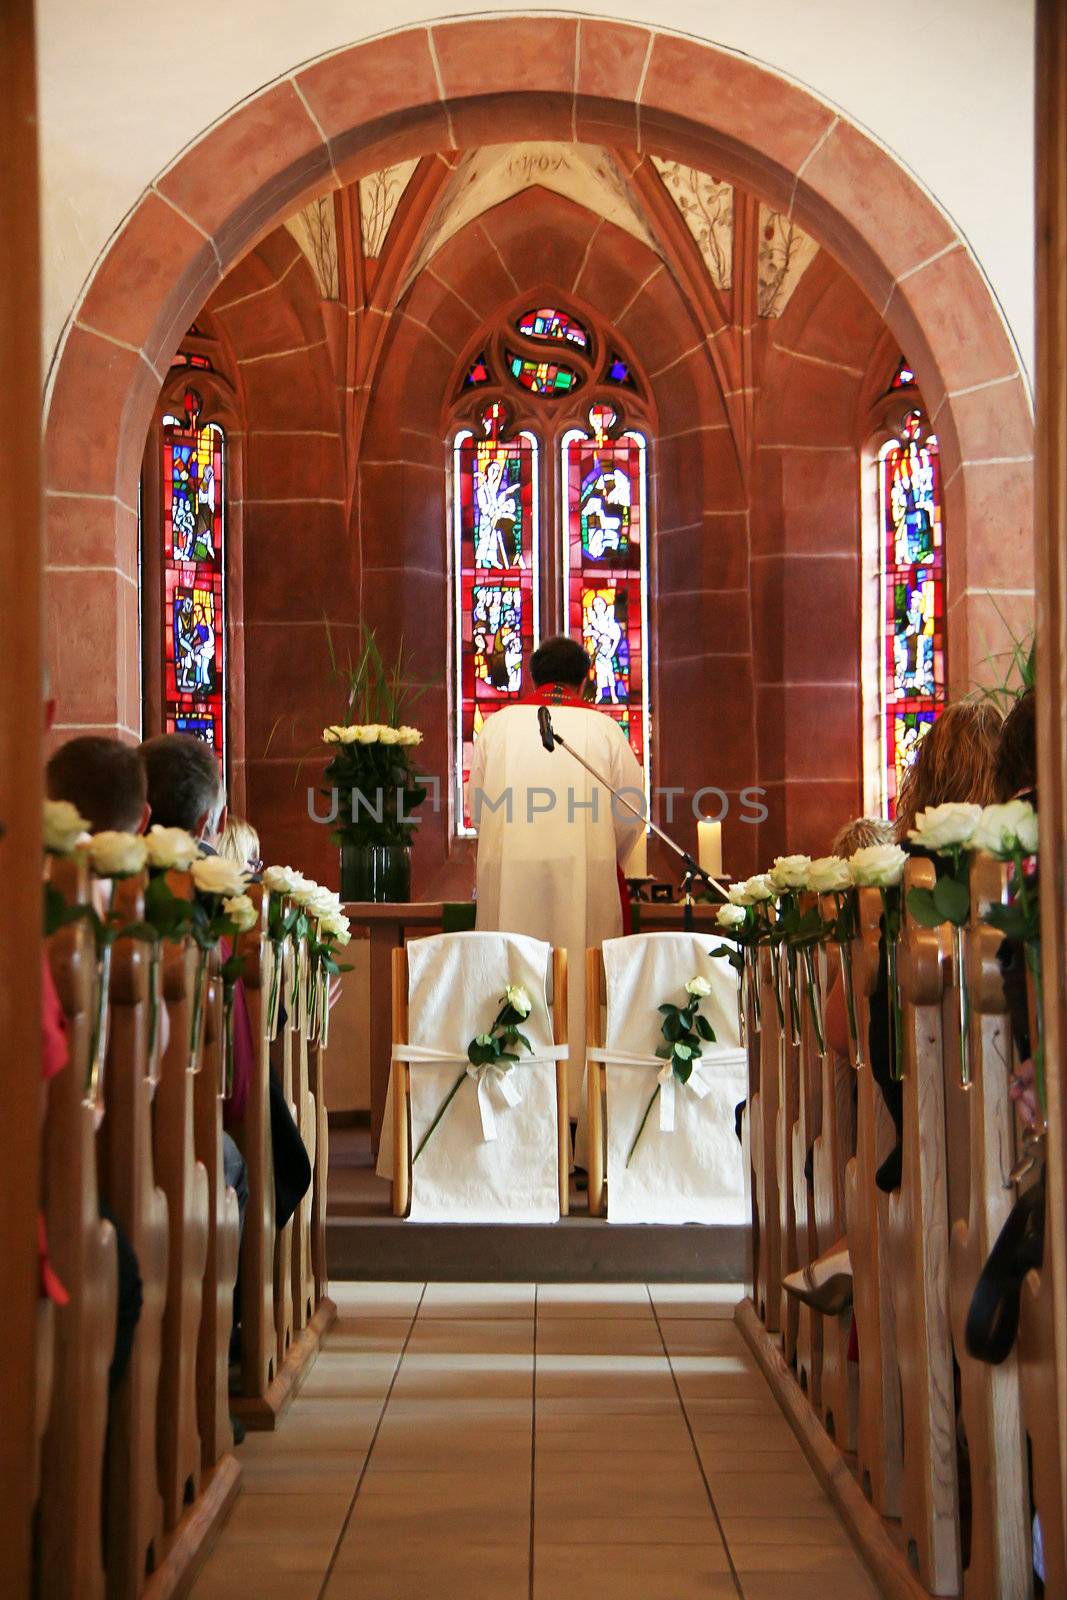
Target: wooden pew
{"type": "Point", "coordinates": [999, 1564]}
{"type": "Point", "coordinates": [134, 1511]}
{"type": "Point", "coordinates": [918, 1238]}
{"type": "Point", "coordinates": [303, 1275]}
{"type": "Point", "coordinates": [762, 1122]}
{"type": "Point", "coordinates": [82, 1251]}
{"type": "Point", "coordinates": [787, 1067]}
{"type": "Point", "coordinates": [276, 1355]}
{"type": "Point", "coordinates": [833, 1145]}
{"type": "Point", "coordinates": [807, 1125]}
{"type": "Point", "coordinates": [317, 1074]}
{"type": "Point", "coordinates": [184, 1182]}
{"type": "Point", "coordinates": [220, 1268]}
{"type": "Point", "coordinates": [878, 1419]}
{"type": "Point", "coordinates": [259, 1340]}
{"type": "Point", "coordinates": [282, 1061]}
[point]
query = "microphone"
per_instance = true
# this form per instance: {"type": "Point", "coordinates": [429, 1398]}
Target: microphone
{"type": "Point", "coordinates": [544, 722]}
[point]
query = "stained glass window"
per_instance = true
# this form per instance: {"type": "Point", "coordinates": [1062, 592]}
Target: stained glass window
{"type": "Point", "coordinates": [912, 598]}
{"type": "Point", "coordinates": [618, 371]}
{"type": "Point", "coordinates": [477, 373]}
{"type": "Point", "coordinates": [194, 595]}
{"type": "Point", "coordinates": [190, 358]}
{"type": "Point", "coordinates": [553, 324]}
{"type": "Point", "coordinates": [903, 378]}
{"type": "Point", "coordinates": [542, 377]}
{"type": "Point", "coordinates": [605, 567]}
{"type": "Point", "coordinates": [495, 530]}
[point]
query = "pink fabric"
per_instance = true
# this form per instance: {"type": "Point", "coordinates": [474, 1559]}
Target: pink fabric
{"type": "Point", "coordinates": [233, 1109]}
{"type": "Point", "coordinates": [53, 1025]}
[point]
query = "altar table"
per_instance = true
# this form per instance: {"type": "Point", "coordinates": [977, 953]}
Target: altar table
{"type": "Point", "coordinates": [388, 925]}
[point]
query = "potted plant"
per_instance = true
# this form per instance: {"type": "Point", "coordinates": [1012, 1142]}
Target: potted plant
{"type": "Point", "coordinates": [374, 789]}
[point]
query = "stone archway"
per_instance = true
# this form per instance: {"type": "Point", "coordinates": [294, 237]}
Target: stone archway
{"type": "Point", "coordinates": [470, 82]}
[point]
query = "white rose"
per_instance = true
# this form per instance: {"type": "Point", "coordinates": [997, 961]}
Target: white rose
{"type": "Point", "coordinates": [301, 889]}
{"type": "Point", "coordinates": [278, 880]}
{"type": "Point", "coordinates": [730, 916]}
{"type": "Point", "coordinates": [63, 826]}
{"type": "Point", "coordinates": [1000, 828]}
{"type": "Point", "coordinates": [171, 849]}
{"type": "Point", "coordinates": [879, 866]}
{"type": "Point", "coordinates": [241, 912]}
{"type": "Point", "coordinates": [216, 875]}
{"type": "Point", "coordinates": [341, 933]}
{"type": "Point", "coordinates": [698, 987]}
{"type": "Point", "coordinates": [331, 735]}
{"type": "Point", "coordinates": [760, 887]}
{"type": "Point", "coordinates": [117, 855]}
{"type": "Point", "coordinates": [350, 735]}
{"type": "Point", "coordinates": [945, 827]}
{"type": "Point", "coordinates": [335, 925]}
{"type": "Point", "coordinates": [322, 903]}
{"type": "Point", "coordinates": [790, 872]}
{"type": "Point", "coordinates": [389, 735]}
{"type": "Point", "coordinates": [738, 894]}
{"type": "Point", "coordinates": [829, 873]}
{"type": "Point", "coordinates": [518, 999]}
{"type": "Point", "coordinates": [369, 734]}
{"type": "Point", "coordinates": [409, 735]}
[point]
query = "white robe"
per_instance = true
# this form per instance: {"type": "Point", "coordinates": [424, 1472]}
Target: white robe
{"type": "Point", "coordinates": [547, 853]}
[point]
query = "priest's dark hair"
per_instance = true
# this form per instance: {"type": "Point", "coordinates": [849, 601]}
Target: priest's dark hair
{"type": "Point", "coordinates": [103, 778]}
{"type": "Point", "coordinates": [184, 782]}
{"type": "Point", "coordinates": [560, 660]}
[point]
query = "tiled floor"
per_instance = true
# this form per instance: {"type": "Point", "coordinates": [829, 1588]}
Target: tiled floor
{"type": "Point", "coordinates": [522, 1442]}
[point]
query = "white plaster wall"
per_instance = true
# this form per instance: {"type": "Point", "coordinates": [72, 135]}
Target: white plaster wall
{"type": "Point", "coordinates": [946, 85]}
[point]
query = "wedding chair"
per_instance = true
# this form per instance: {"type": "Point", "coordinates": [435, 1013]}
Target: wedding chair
{"type": "Point", "coordinates": [675, 1157]}
{"type": "Point", "coordinates": [469, 1143]}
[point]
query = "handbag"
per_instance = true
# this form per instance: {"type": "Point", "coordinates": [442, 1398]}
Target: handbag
{"type": "Point", "coordinates": [993, 1317]}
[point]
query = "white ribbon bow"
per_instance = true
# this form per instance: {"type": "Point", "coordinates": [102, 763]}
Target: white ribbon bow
{"type": "Point", "coordinates": [483, 1076]}
{"type": "Point", "coordinates": [492, 1074]}
{"type": "Point", "coordinates": [668, 1083]}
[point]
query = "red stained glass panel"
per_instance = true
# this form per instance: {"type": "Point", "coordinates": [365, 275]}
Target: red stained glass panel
{"type": "Point", "coordinates": [194, 621]}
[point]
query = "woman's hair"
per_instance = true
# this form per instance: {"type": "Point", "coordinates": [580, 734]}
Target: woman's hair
{"type": "Point", "coordinates": [239, 842]}
{"type": "Point", "coordinates": [1017, 749]}
{"type": "Point", "coordinates": [955, 761]}
{"type": "Point", "coordinates": [860, 834]}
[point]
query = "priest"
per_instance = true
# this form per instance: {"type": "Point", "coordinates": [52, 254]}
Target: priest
{"type": "Point", "coordinates": [550, 837]}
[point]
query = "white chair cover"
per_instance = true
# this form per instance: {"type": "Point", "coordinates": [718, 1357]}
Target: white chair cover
{"type": "Point", "coordinates": [695, 1173]}
{"type": "Point", "coordinates": [455, 986]}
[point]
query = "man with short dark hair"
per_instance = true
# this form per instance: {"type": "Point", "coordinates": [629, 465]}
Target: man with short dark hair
{"type": "Point", "coordinates": [549, 836]}
{"type": "Point", "coordinates": [185, 785]}
{"type": "Point", "coordinates": [104, 779]}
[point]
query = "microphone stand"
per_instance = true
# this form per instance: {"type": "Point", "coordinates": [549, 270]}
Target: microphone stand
{"type": "Point", "coordinates": [550, 738]}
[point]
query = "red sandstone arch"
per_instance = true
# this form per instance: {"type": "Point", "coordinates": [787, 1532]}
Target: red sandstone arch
{"type": "Point", "coordinates": [477, 81]}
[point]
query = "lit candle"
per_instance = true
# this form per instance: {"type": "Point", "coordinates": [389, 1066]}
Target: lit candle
{"type": "Point", "coordinates": [636, 863]}
{"type": "Point", "coordinates": [709, 848]}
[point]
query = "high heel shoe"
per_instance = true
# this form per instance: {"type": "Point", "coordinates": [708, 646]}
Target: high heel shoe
{"type": "Point", "coordinates": [824, 1284]}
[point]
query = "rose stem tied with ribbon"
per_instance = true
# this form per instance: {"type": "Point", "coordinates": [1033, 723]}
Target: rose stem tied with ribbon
{"type": "Point", "coordinates": [794, 998]}
{"type": "Point", "coordinates": [683, 1028]}
{"type": "Point", "coordinates": [844, 951]}
{"type": "Point", "coordinates": [959, 961]}
{"type": "Point", "coordinates": [94, 1073]}
{"type": "Point", "coordinates": [814, 999]}
{"type": "Point", "coordinates": [199, 984]}
{"type": "Point", "coordinates": [891, 916]}
{"type": "Point", "coordinates": [755, 1000]}
{"type": "Point", "coordinates": [486, 1051]}
{"type": "Point", "coordinates": [776, 972]}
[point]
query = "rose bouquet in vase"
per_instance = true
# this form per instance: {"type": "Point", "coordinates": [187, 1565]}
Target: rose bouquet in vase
{"type": "Point", "coordinates": [374, 789]}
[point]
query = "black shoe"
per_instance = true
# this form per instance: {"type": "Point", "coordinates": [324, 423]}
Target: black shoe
{"type": "Point", "coordinates": [891, 1171]}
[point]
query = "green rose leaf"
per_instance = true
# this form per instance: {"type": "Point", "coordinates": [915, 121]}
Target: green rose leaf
{"type": "Point", "coordinates": [923, 909]}
{"type": "Point", "coordinates": [953, 899]}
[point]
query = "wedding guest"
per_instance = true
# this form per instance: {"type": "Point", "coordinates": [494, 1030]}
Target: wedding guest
{"type": "Point", "coordinates": [185, 790]}
{"type": "Point", "coordinates": [955, 762]}
{"type": "Point", "coordinates": [239, 842]}
{"type": "Point", "coordinates": [105, 779]}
